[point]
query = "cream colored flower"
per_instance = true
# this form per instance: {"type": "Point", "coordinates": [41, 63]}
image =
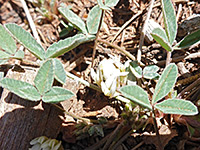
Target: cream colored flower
{"type": "Point", "coordinates": [44, 143]}
{"type": "Point", "coordinates": [110, 75]}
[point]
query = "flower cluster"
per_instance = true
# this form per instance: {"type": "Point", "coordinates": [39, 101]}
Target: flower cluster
{"type": "Point", "coordinates": [110, 75]}
{"type": "Point", "coordinates": [44, 143]}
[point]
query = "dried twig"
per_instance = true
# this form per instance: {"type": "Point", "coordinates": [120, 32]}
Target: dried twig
{"type": "Point", "coordinates": [30, 20]}
{"type": "Point", "coordinates": [127, 23]}
{"type": "Point", "coordinates": [118, 48]}
{"type": "Point", "coordinates": [144, 31]}
{"type": "Point", "coordinates": [191, 86]}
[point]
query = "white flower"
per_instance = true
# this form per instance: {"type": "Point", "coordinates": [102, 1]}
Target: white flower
{"type": "Point", "coordinates": [44, 143]}
{"type": "Point", "coordinates": [110, 75]}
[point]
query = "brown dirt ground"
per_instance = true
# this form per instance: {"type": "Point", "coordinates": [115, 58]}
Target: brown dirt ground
{"type": "Point", "coordinates": [92, 104]}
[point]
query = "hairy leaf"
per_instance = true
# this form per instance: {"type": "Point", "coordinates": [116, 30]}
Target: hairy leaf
{"type": "Point", "coordinates": [160, 36]}
{"type": "Point", "coordinates": [177, 106]}
{"type": "Point", "coordinates": [26, 40]}
{"type": "Point", "coordinates": [189, 40]}
{"type": "Point", "coordinates": [94, 19]}
{"type": "Point", "coordinates": [59, 71]}
{"type": "Point", "coordinates": [20, 88]}
{"type": "Point", "coordinates": [136, 69]}
{"type": "Point", "coordinates": [111, 3]}
{"type": "Point", "coordinates": [136, 94]}
{"type": "Point", "coordinates": [150, 72]}
{"type": "Point", "coordinates": [73, 19]}
{"type": "Point", "coordinates": [1, 75]}
{"type": "Point", "coordinates": [6, 41]}
{"type": "Point", "coordinates": [56, 95]}
{"type": "Point", "coordinates": [165, 83]}
{"type": "Point", "coordinates": [4, 55]}
{"type": "Point", "coordinates": [44, 78]}
{"type": "Point", "coordinates": [63, 46]}
{"type": "Point", "coordinates": [3, 61]}
{"type": "Point", "coordinates": [169, 20]}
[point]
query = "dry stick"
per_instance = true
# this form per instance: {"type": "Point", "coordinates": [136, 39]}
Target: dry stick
{"type": "Point", "coordinates": [99, 144]}
{"type": "Point", "coordinates": [191, 86]}
{"type": "Point", "coordinates": [112, 136]}
{"type": "Point", "coordinates": [31, 23]}
{"type": "Point", "coordinates": [144, 31]}
{"type": "Point", "coordinates": [97, 35]}
{"type": "Point", "coordinates": [176, 59]}
{"type": "Point", "coordinates": [127, 23]}
{"type": "Point", "coordinates": [192, 93]}
{"type": "Point", "coordinates": [137, 146]}
{"type": "Point", "coordinates": [118, 48]}
{"type": "Point", "coordinates": [131, 20]}
{"type": "Point", "coordinates": [121, 140]}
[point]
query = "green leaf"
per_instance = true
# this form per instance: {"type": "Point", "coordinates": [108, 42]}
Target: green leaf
{"type": "Point", "coordinates": [91, 131]}
{"type": "Point", "coordinates": [136, 94]}
{"type": "Point", "coordinates": [94, 19]}
{"type": "Point", "coordinates": [177, 106]}
{"type": "Point", "coordinates": [1, 75]}
{"type": "Point", "coordinates": [160, 36]}
{"type": "Point", "coordinates": [102, 6]}
{"type": "Point", "coordinates": [20, 88]}
{"type": "Point", "coordinates": [63, 46]}
{"type": "Point", "coordinates": [56, 95]}
{"type": "Point", "coordinates": [169, 20]}
{"type": "Point", "coordinates": [6, 41]}
{"type": "Point", "coordinates": [189, 40]}
{"type": "Point", "coordinates": [19, 54]}
{"type": "Point", "coordinates": [26, 40]}
{"type": "Point", "coordinates": [3, 61]}
{"type": "Point", "coordinates": [59, 71]}
{"type": "Point", "coordinates": [73, 19]}
{"type": "Point", "coordinates": [44, 78]}
{"type": "Point", "coordinates": [165, 83]}
{"type": "Point", "coordinates": [111, 3]}
{"type": "Point", "coordinates": [150, 72]}
{"type": "Point", "coordinates": [99, 130]}
{"type": "Point", "coordinates": [136, 69]}
{"type": "Point", "coordinates": [4, 55]}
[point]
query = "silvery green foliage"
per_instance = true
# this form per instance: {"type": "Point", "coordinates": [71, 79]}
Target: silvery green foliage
{"type": "Point", "coordinates": [8, 44]}
{"type": "Point", "coordinates": [25, 38]}
{"type": "Point", "coordinates": [163, 87]}
{"type": "Point", "coordinates": [43, 88]}
{"type": "Point", "coordinates": [20, 88]}
{"type": "Point", "coordinates": [167, 37]}
{"type": "Point", "coordinates": [94, 19]}
{"type": "Point", "coordinates": [110, 75]}
{"type": "Point", "coordinates": [149, 72]}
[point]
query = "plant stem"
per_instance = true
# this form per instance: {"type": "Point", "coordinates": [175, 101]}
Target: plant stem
{"type": "Point", "coordinates": [168, 59]}
{"type": "Point", "coordinates": [122, 139]}
{"type": "Point", "coordinates": [156, 130]}
{"type": "Point", "coordinates": [112, 136]}
{"type": "Point", "coordinates": [92, 86]}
